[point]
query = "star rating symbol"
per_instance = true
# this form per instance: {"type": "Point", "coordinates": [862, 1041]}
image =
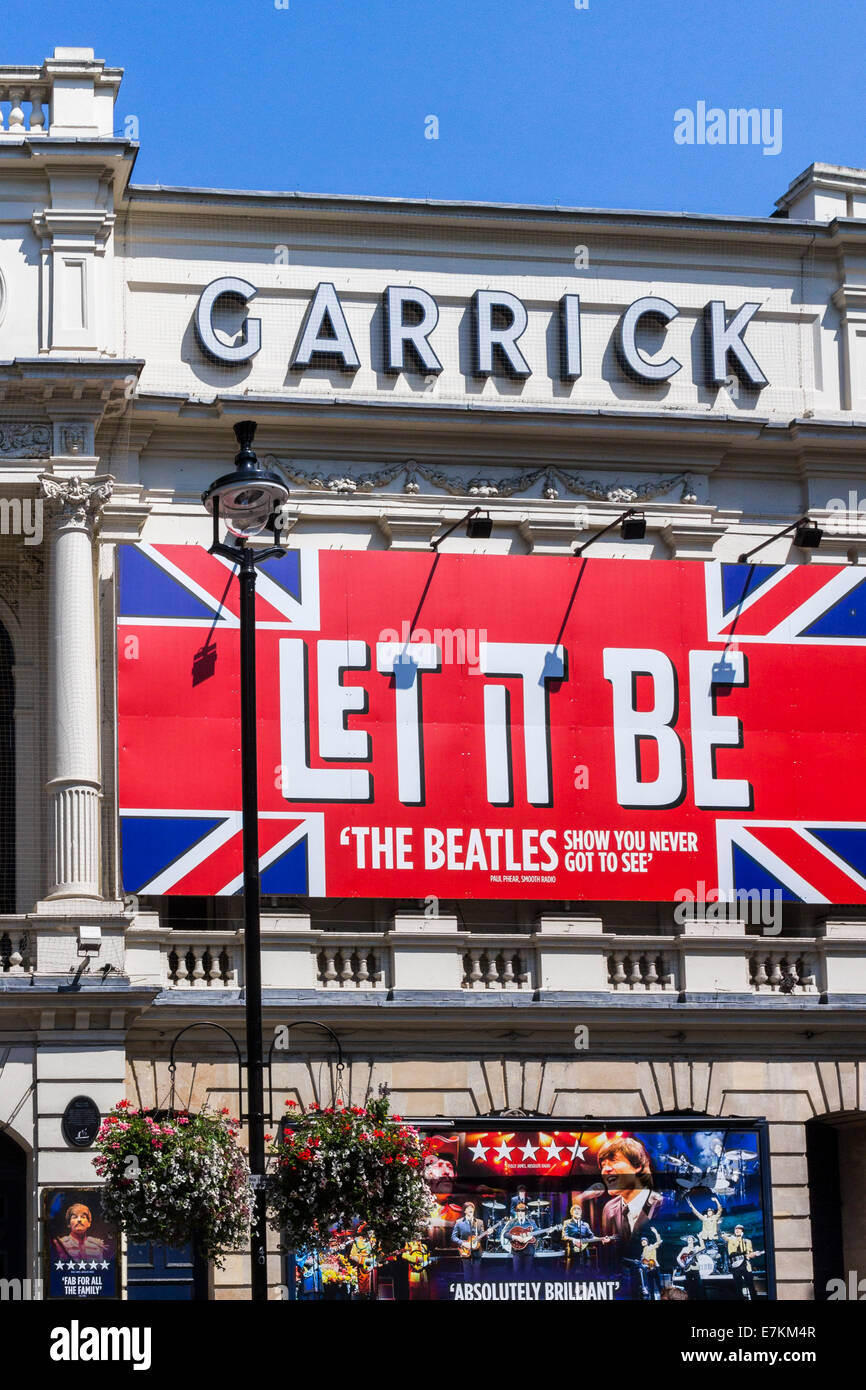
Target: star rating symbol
{"type": "Point", "coordinates": [94, 1264]}
{"type": "Point", "coordinates": [82, 1264]}
{"type": "Point", "coordinates": [578, 1149]}
{"type": "Point", "coordinates": [478, 1151]}
{"type": "Point", "coordinates": [529, 1150]}
{"type": "Point", "coordinates": [503, 1151]}
{"type": "Point", "coordinates": [59, 1264]}
{"type": "Point", "coordinates": [553, 1150]}
{"type": "Point", "coordinates": [105, 1265]}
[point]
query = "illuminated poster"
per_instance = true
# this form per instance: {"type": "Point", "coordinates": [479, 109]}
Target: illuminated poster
{"type": "Point", "coordinates": [523, 1212]}
{"type": "Point", "coordinates": [80, 1244]}
{"type": "Point", "coordinates": [474, 726]}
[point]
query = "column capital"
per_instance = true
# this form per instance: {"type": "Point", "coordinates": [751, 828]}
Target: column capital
{"type": "Point", "coordinates": [75, 502]}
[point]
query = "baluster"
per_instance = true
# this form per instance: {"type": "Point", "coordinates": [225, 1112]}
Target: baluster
{"type": "Point", "coordinates": [651, 978]}
{"type": "Point", "coordinates": [37, 116]}
{"type": "Point", "coordinates": [475, 978]}
{"type": "Point", "coordinates": [198, 968]}
{"type": "Point", "coordinates": [617, 979]}
{"type": "Point", "coordinates": [635, 976]}
{"type": "Point", "coordinates": [16, 115]}
{"type": "Point", "coordinates": [524, 976]}
{"type": "Point", "coordinates": [172, 966]}
{"type": "Point", "coordinates": [362, 977]}
{"type": "Point", "coordinates": [668, 980]}
{"type": "Point", "coordinates": [775, 972]}
{"type": "Point", "coordinates": [224, 965]}
{"type": "Point", "coordinates": [491, 976]}
{"type": "Point", "coordinates": [347, 973]}
{"type": "Point", "coordinates": [329, 977]}
{"type": "Point", "coordinates": [16, 963]}
{"type": "Point", "coordinates": [759, 972]}
{"type": "Point", "coordinates": [507, 981]}
{"type": "Point", "coordinates": [377, 970]}
{"type": "Point", "coordinates": [2, 98]}
{"type": "Point", "coordinates": [183, 966]}
{"type": "Point", "coordinates": [807, 972]}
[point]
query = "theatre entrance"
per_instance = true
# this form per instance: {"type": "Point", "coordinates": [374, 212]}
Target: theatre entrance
{"type": "Point", "coordinates": [836, 1157]}
{"type": "Point", "coordinates": [13, 1210]}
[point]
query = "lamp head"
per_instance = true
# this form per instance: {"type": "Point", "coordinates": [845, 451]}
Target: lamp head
{"type": "Point", "coordinates": [479, 528]}
{"type": "Point", "coordinates": [247, 498]}
{"type": "Point", "coordinates": [633, 527]}
{"type": "Point", "coordinates": [808, 535]}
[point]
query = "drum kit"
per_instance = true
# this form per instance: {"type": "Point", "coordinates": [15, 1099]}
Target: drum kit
{"type": "Point", "coordinates": [726, 1179]}
{"type": "Point", "coordinates": [539, 1211]}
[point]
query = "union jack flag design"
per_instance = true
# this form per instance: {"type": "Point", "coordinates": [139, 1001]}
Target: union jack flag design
{"type": "Point", "coordinates": [393, 787]}
{"type": "Point", "coordinates": [178, 606]}
{"type": "Point", "coordinates": [801, 606]}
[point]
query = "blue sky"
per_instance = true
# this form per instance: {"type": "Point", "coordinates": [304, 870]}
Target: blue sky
{"type": "Point", "coordinates": [536, 100]}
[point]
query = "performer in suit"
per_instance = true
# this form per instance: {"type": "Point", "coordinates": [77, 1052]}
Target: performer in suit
{"type": "Point", "coordinates": [308, 1273]}
{"type": "Point", "coordinates": [627, 1174]}
{"type": "Point", "coordinates": [687, 1261]}
{"type": "Point", "coordinates": [744, 1279]}
{"type": "Point", "coordinates": [364, 1254]}
{"type": "Point", "coordinates": [521, 1259]}
{"type": "Point", "coordinates": [650, 1274]}
{"type": "Point", "coordinates": [467, 1228]}
{"type": "Point", "coordinates": [521, 1195]}
{"type": "Point", "coordinates": [575, 1231]}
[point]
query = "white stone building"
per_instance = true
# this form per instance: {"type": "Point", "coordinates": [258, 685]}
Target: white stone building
{"type": "Point", "coordinates": [114, 418]}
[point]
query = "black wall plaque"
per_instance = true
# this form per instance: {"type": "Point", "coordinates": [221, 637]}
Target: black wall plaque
{"type": "Point", "coordinates": [81, 1121]}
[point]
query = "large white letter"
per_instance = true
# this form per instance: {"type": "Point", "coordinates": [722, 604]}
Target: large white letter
{"type": "Point", "coordinates": [236, 292]}
{"type": "Point", "coordinates": [300, 782]}
{"type": "Point", "coordinates": [711, 731]}
{"type": "Point", "coordinates": [405, 661]}
{"type": "Point", "coordinates": [326, 304]}
{"type": "Point", "coordinates": [621, 667]}
{"type": "Point", "coordinates": [337, 700]}
{"type": "Point", "coordinates": [536, 664]}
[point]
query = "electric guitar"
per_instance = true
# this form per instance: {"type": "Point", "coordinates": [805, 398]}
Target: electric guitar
{"type": "Point", "coordinates": [473, 1243]}
{"type": "Point", "coordinates": [580, 1243]}
{"type": "Point", "coordinates": [742, 1257]}
{"type": "Point", "coordinates": [416, 1255]}
{"type": "Point", "coordinates": [520, 1236]}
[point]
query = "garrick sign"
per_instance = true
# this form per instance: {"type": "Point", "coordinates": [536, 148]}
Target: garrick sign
{"type": "Point", "coordinates": [498, 321]}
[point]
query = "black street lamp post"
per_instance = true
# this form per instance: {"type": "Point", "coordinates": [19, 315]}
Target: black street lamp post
{"type": "Point", "coordinates": [248, 501]}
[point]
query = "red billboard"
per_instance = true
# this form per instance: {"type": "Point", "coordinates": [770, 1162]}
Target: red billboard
{"type": "Point", "coordinates": [467, 726]}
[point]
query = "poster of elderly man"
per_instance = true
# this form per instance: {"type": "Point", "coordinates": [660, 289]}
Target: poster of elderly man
{"type": "Point", "coordinates": [80, 1245]}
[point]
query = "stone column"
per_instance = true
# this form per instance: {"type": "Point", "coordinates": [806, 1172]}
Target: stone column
{"type": "Point", "coordinates": [74, 787]}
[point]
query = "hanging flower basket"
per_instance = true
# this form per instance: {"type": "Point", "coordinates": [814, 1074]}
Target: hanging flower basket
{"type": "Point", "coordinates": [176, 1177]}
{"type": "Point", "coordinates": [348, 1167]}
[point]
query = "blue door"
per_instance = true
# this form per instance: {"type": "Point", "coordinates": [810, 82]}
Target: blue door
{"type": "Point", "coordinates": [164, 1272]}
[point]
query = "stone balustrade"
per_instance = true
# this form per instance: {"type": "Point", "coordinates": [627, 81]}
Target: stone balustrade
{"type": "Point", "coordinates": [783, 971]}
{"type": "Point", "coordinates": [22, 102]}
{"type": "Point", "coordinates": [14, 951]}
{"type": "Point", "coordinates": [564, 955]}
{"type": "Point", "coordinates": [69, 95]}
{"type": "Point", "coordinates": [200, 959]}
{"type": "Point", "coordinates": [644, 965]}
{"type": "Point", "coordinates": [350, 964]}
{"type": "Point", "coordinates": [500, 965]}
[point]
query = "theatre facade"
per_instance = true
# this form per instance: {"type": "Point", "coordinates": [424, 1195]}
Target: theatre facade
{"type": "Point", "coordinates": [564, 849]}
